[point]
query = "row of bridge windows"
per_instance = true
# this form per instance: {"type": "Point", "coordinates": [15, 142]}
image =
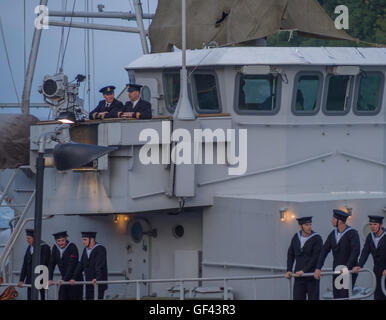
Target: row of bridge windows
{"type": "Point", "coordinates": [261, 94]}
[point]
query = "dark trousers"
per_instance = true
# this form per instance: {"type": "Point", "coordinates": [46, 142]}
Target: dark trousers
{"type": "Point", "coordinates": [378, 294]}
{"type": "Point", "coordinates": [90, 292]}
{"type": "Point", "coordinates": [306, 288]}
{"type": "Point", "coordinates": [70, 292]}
{"type": "Point", "coordinates": [342, 293]}
{"type": "Point", "coordinates": [42, 294]}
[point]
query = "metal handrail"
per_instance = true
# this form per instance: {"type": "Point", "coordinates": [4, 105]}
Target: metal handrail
{"type": "Point", "coordinates": [8, 186]}
{"type": "Point", "coordinates": [350, 297]}
{"type": "Point", "coordinates": [181, 282]}
{"type": "Point", "coordinates": [383, 284]}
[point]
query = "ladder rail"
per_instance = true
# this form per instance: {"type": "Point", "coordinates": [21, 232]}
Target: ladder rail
{"type": "Point", "coordinates": [8, 186]}
{"type": "Point", "coordinates": [15, 234]}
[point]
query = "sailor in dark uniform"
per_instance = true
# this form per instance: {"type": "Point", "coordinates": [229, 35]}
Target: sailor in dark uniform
{"type": "Point", "coordinates": [107, 108]}
{"type": "Point", "coordinates": [93, 264]}
{"type": "Point", "coordinates": [376, 245]}
{"type": "Point", "coordinates": [65, 255]}
{"type": "Point", "coordinates": [305, 250]}
{"type": "Point", "coordinates": [26, 270]}
{"type": "Point", "coordinates": [136, 107]}
{"type": "Point", "coordinates": [344, 243]}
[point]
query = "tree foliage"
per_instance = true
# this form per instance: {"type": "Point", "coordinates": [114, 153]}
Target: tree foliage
{"type": "Point", "coordinates": [367, 22]}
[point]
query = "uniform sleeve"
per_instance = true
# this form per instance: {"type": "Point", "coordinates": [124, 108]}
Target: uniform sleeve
{"type": "Point", "coordinates": [290, 256]}
{"type": "Point", "coordinates": [355, 245]}
{"type": "Point", "coordinates": [116, 111]}
{"type": "Point", "coordinates": [316, 249]}
{"type": "Point", "coordinates": [324, 252]}
{"type": "Point", "coordinates": [23, 272]}
{"type": "Point", "coordinates": [74, 257]}
{"type": "Point", "coordinates": [100, 263]}
{"type": "Point", "coordinates": [78, 268]}
{"type": "Point", "coordinates": [365, 252]}
{"type": "Point", "coordinates": [52, 265]}
{"type": "Point", "coordinates": [93, 113]}
{"type": "Point", "coordinates": [145, 112]}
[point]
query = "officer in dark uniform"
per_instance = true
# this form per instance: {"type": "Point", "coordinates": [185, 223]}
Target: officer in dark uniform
{"type": "Point", "coordinates": [65, 255]}
{"type": "Point", "coordinates": [305, 249]}
{"type": "Point", "coordinates": [136, 107]}
{"type": "Point", "coordinates": [107, 108]}
{"type": "Point", "coordinates": [376, 245]}
{"type": "Point", "coordinates": [93, 264]}
{"type": "Point", "coordinates": [344, 243]}
{"type": "Point", "coordinates": [26, 270]}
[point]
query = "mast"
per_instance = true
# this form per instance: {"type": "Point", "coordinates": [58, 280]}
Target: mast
{"type": "Point", "coordinates": [184, 108]}
{"type": "Point", "coordinates": [31, 67]}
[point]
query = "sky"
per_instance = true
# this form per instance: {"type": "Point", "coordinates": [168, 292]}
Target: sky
{"type": "Point", "coordinates": [112, 50]}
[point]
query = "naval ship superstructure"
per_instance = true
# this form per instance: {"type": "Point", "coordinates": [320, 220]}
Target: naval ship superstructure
{"type": "Point", "coordinates": [314, 120]}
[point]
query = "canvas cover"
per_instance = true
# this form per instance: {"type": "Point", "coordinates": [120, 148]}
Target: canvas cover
{"type": "Point", "coordinates": [14, 139]}
{"type": "Point", "coordinates": [228, 22]}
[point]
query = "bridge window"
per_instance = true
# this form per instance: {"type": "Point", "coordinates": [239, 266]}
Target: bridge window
{"type": "Point", "coordinates": [202, 90]}
{"type": "Point", "coordinates": [257, 94]}
{"type": "Point", "coordinates": [206, 96]}
{"type": "Point", "coordinates": [307, 93]}
{"type": "Point", "coordinates": [369, 94]}
{"type": "Point", "coordinates": [338, 97]}
{"type": "Point", "coordinates": [172, 90]}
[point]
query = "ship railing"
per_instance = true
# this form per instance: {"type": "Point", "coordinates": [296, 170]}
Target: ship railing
{"type": "Point", "coordinates": [383, 280]}
{"type": "Point", "coordinates": [181, 283]}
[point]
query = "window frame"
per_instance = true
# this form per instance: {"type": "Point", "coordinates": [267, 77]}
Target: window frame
{"type": "Point", "coordinates": [325, 95]}
{"type": "Point", "coordinates": [295, 90]}
{"type": "Point", "coordinates": [356, 95]}
{"type": "Point", "coordinates": [278, 91]}
{"type": "Point", "coordinates": [193, 90]}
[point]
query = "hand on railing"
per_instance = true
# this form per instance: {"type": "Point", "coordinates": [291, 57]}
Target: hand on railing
{"type": "Point", "coordinates": [298, 274]}
{"type": "Point", "coordinates": [356, 269]}
{"type": "Point", "coordinates": [20, 284]}
{"type": "Point", "coordinates": [288, 275]}
{"type": "Point", "coordinates": [317, 274]}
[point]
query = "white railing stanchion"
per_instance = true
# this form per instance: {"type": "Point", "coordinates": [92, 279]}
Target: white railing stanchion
{"type": "Point", "coordinates": [383, 279]}
{"type": "Point", "coordinates": [96, 289]}
{"type": "Point", "coordinates": [182, 291]}
{"type": "Point", "coordinates": [225, 289]}
{"type": "Point", "coordinates": [138, 289]}
{"type": "Point", "coordinates": [291, 294]}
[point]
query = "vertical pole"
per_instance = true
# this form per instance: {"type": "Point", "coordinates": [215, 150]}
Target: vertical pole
{"type": "Point", "coordinates": [291, 296]}
{"type": "Point", "coordinates": [182, 291]}
{"type": "Point", "coordinates": [142, 34]}
{"type": "Point", "coordinates": [31, 67]}
{"type": "Point", "coordinates": [225, 289]}
{"type": "Point", "coordinates": [38, 220]}
{"type": "Point", "coordinates": [138, 291]}
{"type": "Point", "coordinates": [184, 109]}
{"type": "Point", "coordinates": [96, 291]}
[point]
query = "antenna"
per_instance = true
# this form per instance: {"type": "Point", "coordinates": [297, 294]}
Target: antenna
{"type": "Point", "coordinates": [184, 110]}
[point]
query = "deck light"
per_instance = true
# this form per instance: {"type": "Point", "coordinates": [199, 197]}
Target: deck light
{"type": "Point", "coordinates": [66, 117]}
{"type": "Point", "coordinates": [283, 214]}
{"type": "Point", "coordinates": [348, 210]}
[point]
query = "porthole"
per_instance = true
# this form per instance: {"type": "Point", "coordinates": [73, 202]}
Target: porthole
{"type": "Point", "coordinates": [178, 231]}
{"type": "Point", "coordinates": [136, 232]}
